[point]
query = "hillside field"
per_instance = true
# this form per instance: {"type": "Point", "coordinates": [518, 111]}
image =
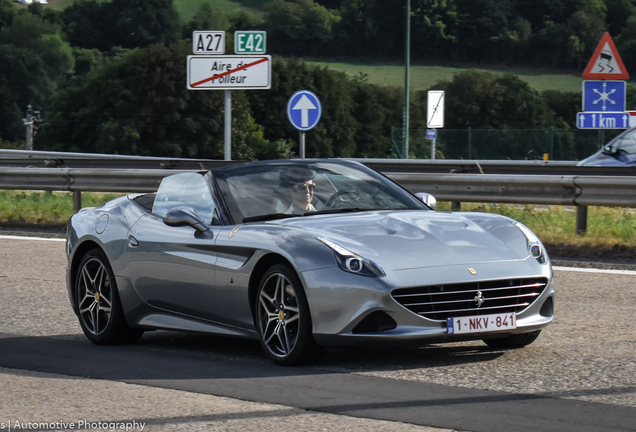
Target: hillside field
{"type": "Point", "coordinates": [421, 77]}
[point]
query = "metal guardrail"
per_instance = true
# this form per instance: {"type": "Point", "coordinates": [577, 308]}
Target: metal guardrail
{"type": "Point", "coordinates": [487, 188]}
{"type": "Point", "coordinates": [42, 159]}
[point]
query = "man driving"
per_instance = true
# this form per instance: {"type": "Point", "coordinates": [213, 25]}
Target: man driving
{"type": "Point", "coordinates": [299, 184]}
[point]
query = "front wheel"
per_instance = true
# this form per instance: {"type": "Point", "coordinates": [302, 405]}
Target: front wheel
{"type": "Point", "coordinates": [282, 318]}
{"type": "Point", "coordinates": [513, 341]}
{"type": "Point", "coordinates": [99, 310]}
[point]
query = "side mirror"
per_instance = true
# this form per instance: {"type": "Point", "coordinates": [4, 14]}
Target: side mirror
{"type": "Point", "coordinates": [610, 150]}
{"type": "Point", "coordinates": [178, 217]}
{"type": "Point", "coordinates": [427, 199]}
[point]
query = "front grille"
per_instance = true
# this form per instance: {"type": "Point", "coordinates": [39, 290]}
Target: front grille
{"type": "Point", "coordinates": [439, 302]}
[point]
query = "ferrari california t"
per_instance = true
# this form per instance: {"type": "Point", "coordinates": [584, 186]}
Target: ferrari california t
{"type": "Point", "coordinates": [303, 254]}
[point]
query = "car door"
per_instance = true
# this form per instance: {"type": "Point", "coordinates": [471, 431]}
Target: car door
{"type": "Point", "coordinates": [174, 267]}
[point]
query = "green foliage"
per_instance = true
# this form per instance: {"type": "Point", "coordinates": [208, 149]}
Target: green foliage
{"type": "Point", "coordinates": [7, 13]}
{"type": "Point", "coordinates": [299, 27]}
{"type": "Point", "coordinates": [23, 80]}
{"type": "Point", "coordinates": [486, 100]}
{"type": "Point", "coordinates": [125, 23]}
{"type": "Point", "coordinates": [86, 59]}
{"type": "Point", "coordinates": [137, 103]}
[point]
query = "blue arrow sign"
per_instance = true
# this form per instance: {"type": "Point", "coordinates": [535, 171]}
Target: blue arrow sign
{"type": "Point", "coordinates": [304, 110]}
{"type": "Point", "coordinates": [604, 96]}
{"type": "Point", "coordinates": [602, 120]}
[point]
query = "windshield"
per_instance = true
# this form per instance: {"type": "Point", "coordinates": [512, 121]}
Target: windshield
{"type": "Point", "coordinates": [625, 143]}
{"type": "Point", "coordinates": [291, 189]}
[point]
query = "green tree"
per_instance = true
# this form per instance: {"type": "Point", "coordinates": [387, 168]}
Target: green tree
{"type": "Point", "coordinates": [89, 24]}
{"type": "Point", "coordinates": [140, 23]}
{"type": "Point", "coordinates": [23, 80]}
{"type": "Point", "coordinates": [7, 13]}
{"type": "Point", "coordinates": [125, 23]}
{"type": "Point", "coordinates": [334, 134]}
{"type": "Point", "coordinates": [137, 103]}
{"type": "Point", "coordinates": [206, 18]}
{"type": "Point", "coordinates": [298, 27]}
{"type": "Point", "coordinates": [483, 100]}
{"type": "Point", "coordinates": [33, 60]}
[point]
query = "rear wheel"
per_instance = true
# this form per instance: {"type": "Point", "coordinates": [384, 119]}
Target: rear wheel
{"type": "Point", "coordinates": [282, 318]}
{"type": "Point", "coordinates": [513, 341]}
{"type": "Point", "coordinates": [99, 309]}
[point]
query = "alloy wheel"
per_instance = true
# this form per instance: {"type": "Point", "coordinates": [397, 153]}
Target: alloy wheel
{"type": "Point", "coordinates": [278, 315]}
{"type": "Point", "coordinates": [95, 296]}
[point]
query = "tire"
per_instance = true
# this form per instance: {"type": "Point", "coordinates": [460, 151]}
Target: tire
{"type": "Point", "coordinates": [283, 320]}
{"type": "Point", "coordinates": [98, 307]}
{"type": "Point", "coordinates": [513, 341]}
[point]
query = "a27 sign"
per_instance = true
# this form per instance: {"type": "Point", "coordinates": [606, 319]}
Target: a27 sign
{"type": "Point", "coordinates": [208, 42]}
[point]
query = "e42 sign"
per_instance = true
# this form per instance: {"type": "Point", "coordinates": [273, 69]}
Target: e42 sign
{"type": "Point", "coordinates": [249, 42]}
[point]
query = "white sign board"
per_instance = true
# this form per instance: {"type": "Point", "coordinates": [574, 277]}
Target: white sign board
{"type": "Point", "coordinates": [208, 42]}
{"type": "Point", "coordinates": [229, 72]}
{"type": "Point", "coordinates": [435, 109]}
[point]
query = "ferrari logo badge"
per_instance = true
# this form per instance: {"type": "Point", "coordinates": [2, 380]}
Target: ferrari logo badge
{"type": "Point", "coordinates": [234, 231]}
{"type": "Point", "coordinates": [472, 271]}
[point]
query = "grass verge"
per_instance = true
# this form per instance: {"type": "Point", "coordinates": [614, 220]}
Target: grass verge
{"type": "Point", "coordinates": [424, 77]}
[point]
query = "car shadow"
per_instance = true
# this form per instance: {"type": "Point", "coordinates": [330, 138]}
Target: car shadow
{"type": "Point", "coordinates": [184, 356]}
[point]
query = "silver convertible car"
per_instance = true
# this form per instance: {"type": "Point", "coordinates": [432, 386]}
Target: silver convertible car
{"type": "Point", "coordinates": [304, 254]}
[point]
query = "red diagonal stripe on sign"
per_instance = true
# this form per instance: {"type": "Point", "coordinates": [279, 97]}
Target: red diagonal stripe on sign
{"type": "Point", "coordinates": [231, 71]}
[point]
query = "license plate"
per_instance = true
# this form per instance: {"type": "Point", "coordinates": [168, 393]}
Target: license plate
{"type": "Point", "coordinates": [481, 323]}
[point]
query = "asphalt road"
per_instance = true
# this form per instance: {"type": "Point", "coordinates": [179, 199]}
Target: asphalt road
{"type": "Point", "coordinates": [580, 375]}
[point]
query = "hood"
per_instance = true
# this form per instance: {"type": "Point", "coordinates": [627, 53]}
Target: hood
{"type": "Point", "coordinates": [406, 239]}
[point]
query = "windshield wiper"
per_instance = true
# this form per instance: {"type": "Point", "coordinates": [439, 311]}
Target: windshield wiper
{"type": "Point", "coordinates": [271, 216]}
{"type": "Point", "coordinates": [340, 210]}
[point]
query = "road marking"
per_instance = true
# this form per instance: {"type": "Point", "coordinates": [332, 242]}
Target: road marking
{"type": "Point", "coordinates": [30, 238]}
{"type": "Point", "coordinates": [591, 270]}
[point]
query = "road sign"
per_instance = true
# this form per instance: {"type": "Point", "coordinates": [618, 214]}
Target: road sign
{"type": "Point", "coordinates": [431, 133]}
{"type": "Point", "coordinates": [208, 42]}
{"type": "Point", "coordinates": [605, 62]}
{"type": "Point", "coordinates": [304, 110]}
{"type": "Point", "coordinates": [249, 42]}
{"type": "Point", "coordinates": [604, 96]}
{"type": "Point", "coordinates": [229, 72]}
{"type": "Point", "coordinates": [435, 109]}
{"type": "Point", "coordinates": [602, 120]}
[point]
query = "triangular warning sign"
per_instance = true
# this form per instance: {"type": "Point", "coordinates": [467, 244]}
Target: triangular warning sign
{"type": "Point", "coordinates": [605, 62]}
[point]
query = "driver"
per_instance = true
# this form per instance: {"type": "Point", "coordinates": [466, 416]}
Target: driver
{"type": "Point", "coordinates": [298, 183]}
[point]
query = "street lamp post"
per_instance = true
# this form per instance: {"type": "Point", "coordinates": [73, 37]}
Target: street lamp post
{"type": "Point", "coordinates": [407, 64]}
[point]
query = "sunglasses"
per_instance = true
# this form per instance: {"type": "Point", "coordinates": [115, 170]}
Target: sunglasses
{"type": "Point", "coordinates": [302, 186]}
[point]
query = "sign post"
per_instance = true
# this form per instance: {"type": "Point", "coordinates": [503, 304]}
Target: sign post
{"type": "Point", "coordinates": [604, 96]}
{"type": "Point", "coordinates": [303, 111]}
{"type": "Point", "coordinates": [434, 115]}
{"type": "Point", "coordinates": [208, 70]}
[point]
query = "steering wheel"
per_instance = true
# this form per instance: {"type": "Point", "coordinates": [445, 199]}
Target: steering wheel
{"type": "Point", "coordinates": [338, 194]}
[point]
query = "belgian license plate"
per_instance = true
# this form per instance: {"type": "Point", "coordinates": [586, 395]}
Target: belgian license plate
{"type": "Point", "coordinates": [481, 323]}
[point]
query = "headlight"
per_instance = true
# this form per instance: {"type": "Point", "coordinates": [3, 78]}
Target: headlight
{"type": "Point", "coordinates": [535, 247]}
{"type": "Point", "coordinates": [352, 262]}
